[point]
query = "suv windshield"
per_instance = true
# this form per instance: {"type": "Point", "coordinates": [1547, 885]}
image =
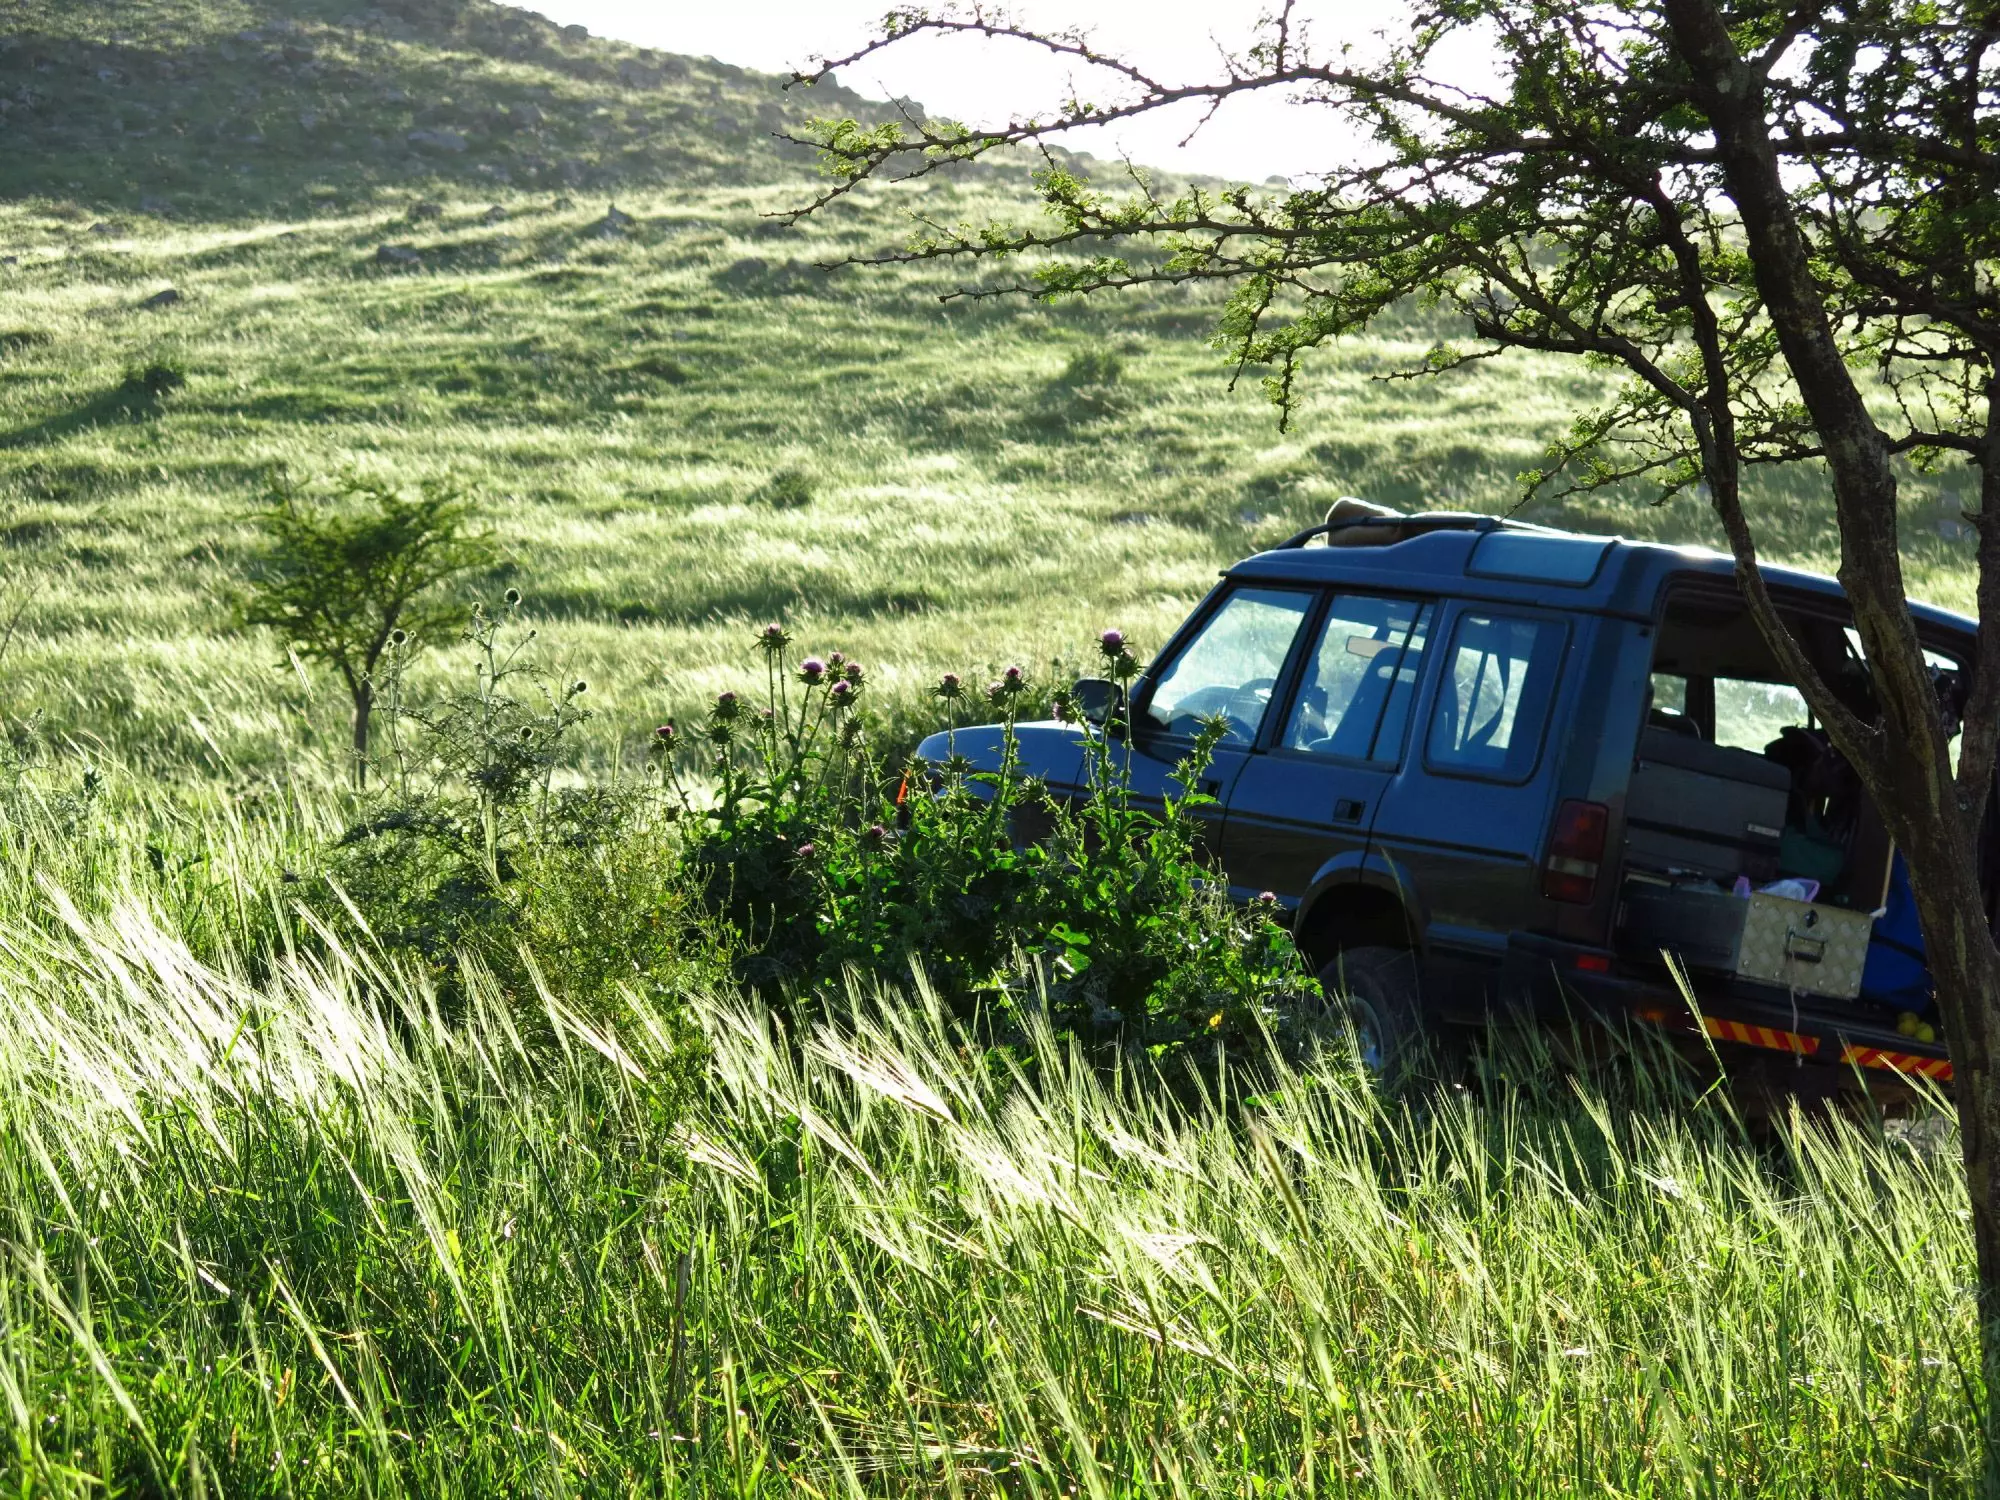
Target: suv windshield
{"type": "Point", "coordinates": [1231, 666]}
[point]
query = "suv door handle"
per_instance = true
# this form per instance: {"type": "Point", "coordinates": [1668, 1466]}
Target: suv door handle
{"type": "Point", "coordinates": [1349, 810]}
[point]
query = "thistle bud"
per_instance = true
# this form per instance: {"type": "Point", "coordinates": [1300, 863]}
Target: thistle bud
{"type": "Point", "coordinates": [513, 597]}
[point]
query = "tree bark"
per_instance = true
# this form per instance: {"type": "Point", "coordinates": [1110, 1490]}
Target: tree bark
{"type": "Point", "coordinates": [364, 708]}
{"type": "Point", "coordinates": [1904, 762]}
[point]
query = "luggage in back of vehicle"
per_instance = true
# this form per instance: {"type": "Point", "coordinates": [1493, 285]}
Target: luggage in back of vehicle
{"type": "Point", "coordinates": [1694, 808]}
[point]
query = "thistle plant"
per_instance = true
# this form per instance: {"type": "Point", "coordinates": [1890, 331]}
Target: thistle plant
{"type": "Point", "coordinates": [826, 863]}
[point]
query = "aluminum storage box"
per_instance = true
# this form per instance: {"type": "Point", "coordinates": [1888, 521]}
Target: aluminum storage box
{"type": "Point", "coordinates": [1802, 945]}
{"type": "Point", "coordinates": [1795, 945]}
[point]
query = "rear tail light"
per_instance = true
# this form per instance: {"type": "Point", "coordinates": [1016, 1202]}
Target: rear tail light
{"type": "Point", "coordinates": [1576, 849]}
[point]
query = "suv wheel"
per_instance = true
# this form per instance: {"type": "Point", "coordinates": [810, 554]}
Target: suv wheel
{"type": "Point", "coordinates": [1376, 989]}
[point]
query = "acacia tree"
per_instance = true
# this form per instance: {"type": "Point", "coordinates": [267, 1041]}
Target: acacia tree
{"type": "Point", "coordinates": [346, 579]}
{"type": "Point", "coordinates": [1781, 222]}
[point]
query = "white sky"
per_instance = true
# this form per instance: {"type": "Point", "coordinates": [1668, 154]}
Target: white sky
{"type": "Point", "coordinates": [984, 83]}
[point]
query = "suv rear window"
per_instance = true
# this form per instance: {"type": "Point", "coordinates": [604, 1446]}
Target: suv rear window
{"type": "Point", "coordinates": [1493, 701]}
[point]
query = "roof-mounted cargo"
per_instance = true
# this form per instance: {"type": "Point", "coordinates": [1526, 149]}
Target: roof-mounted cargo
{"type": "Point", "coordinates": [1360, 523]}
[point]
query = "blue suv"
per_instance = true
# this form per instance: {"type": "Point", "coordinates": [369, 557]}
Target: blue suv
{"type": "Point", "coordinates": [1492, 769]}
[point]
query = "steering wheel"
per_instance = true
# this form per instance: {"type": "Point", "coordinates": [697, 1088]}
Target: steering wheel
{"type": "Point", "coordinates": [1242, 707]}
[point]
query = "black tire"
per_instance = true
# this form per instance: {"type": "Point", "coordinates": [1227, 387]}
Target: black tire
{"type": "Point", "coordinates": [1376, 990]}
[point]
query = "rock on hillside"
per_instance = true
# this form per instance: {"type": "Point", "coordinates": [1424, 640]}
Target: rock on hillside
{"type": "Point", "coordinates": [244, 107]}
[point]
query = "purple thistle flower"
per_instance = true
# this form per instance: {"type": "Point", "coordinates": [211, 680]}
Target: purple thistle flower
{"type": "Point", "coordinates": [841, 695]}
{"type": "Point", "coordinates": [1112, 644]}
{"type": "Point", "coordinates": [726, 707]}
{"type": "Point", "coordinates": [806, 851]}
{"type": "Point", "coordinates": [835, 659]}
{"type": "Point", "coordinates": [811, 670]}
{"type": "Point", "coordinates": [773, 638]}
{"type": "Point", "coordinates": [665, 733]}
{"type": "Point", "coordinates": [950, 687]}
{"type": "Point", "coordinates": [854, 673]}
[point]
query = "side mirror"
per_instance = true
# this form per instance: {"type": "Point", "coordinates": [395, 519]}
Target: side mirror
{"type": "Point", "coordinates": [1100, 700]}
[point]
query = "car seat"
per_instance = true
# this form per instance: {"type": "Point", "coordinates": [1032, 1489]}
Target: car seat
{"type": "Point", "coordinates": [1354, 736]}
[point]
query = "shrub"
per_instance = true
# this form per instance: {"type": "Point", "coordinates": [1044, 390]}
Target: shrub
{"type": "Point", "coordinates": [471, 850]}
{"type": "Point", "coordinates": [670, 371]}
{"type": "Point", "coordinates": [1092, 367]}
{"type": "Point", "coordinates": [823, 864]}
{"type": "Point", "coordinates": [1089, 389]}
{"type": "Point", "coordinates": [785, 490]}
{"type": "Point", "coordinates": [153, 381]}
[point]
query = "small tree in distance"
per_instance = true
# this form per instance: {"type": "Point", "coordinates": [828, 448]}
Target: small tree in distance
{"type": "Point", "coordinates": [345, 578]}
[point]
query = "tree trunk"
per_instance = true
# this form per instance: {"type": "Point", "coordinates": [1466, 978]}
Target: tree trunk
{"type": "Point", "coordinates": [1904, 761]}
{"type": "Point", "coordinates": [364, 707]}
{"type": "Point", "coordinates": [1965, 965]}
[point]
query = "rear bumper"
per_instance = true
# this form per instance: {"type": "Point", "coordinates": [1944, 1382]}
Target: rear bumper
{"type": "Point", "coordinates": [1553, 980]}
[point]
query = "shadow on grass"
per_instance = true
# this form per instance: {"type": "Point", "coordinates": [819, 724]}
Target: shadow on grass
{"type": "Point", "coordinates": [128, 402]}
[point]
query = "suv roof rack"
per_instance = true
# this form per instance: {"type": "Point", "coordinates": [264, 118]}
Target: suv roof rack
{"type": "Point", "coordinates": [1386, 530]}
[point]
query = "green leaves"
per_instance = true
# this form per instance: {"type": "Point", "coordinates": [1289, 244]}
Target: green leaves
{"type": "Point", "coordinates": [343, 578]}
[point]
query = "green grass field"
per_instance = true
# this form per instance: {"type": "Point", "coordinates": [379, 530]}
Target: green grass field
{"type": "Point", "coordinates": [271, 1223]}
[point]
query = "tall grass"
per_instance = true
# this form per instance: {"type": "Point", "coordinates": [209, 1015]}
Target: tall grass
{"type": "Point", "coordinates": [284, 1228]}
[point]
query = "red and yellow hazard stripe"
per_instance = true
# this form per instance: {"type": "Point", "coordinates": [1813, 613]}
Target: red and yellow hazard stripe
{"type": "Point", "coordinates": [1938, 1068]}
{"type": "Point", "coordinates": [1760, 1036]}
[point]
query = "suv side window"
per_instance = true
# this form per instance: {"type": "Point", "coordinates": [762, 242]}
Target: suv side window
{"type": "Point", "coordinates": [1355, 698]}
{"type": "Point", "coordinates": [1493, 701]}
{"type": "Point", "coordinates": [1231, 666]}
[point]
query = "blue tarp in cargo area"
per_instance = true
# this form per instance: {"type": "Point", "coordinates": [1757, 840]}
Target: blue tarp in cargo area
{"type": "Point", "coordinates": [1896, 973]}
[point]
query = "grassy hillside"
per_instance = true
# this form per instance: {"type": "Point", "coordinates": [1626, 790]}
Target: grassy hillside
{"type": "Point", "coordinates": [249, 109]}
{"type": "Point", "coordinates": [983, 480]}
